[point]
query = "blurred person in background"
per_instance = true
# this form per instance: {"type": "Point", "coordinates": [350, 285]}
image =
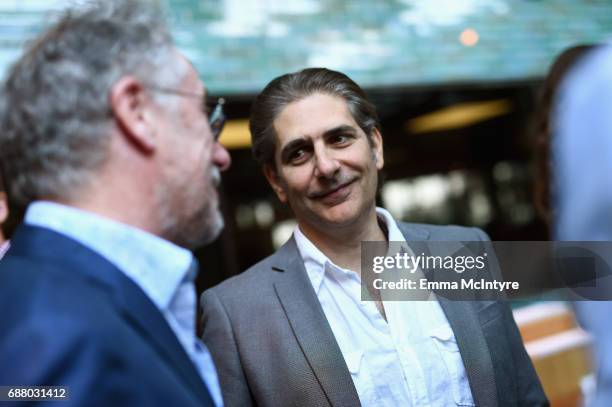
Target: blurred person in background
{"type": "Point", "coordinates": [4, 214]}
{"type": "Point", "coordinates": [543, 127]}
{"type": "Point", "coordinates": [582, 175]}
{"type": "Point", "coordinates": [293, 328]}
{"type": "Point", "coordinates": [104, 138]}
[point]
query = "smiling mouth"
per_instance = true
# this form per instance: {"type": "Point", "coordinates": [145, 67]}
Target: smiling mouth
{"type": "Point", "coordinates": [332, 192]}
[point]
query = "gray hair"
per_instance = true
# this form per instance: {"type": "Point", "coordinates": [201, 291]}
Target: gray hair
{"type": "Point", "coordinates": [295, 86]}
{"type": "Point", "coordinates": [55, 115]}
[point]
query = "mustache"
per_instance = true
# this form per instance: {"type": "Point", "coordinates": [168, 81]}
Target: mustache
{"type": "Point", "coordinates": [332, 186]}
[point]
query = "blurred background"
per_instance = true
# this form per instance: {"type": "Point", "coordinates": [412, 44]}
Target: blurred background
{"type": "Point", "coordinates": [456, 84]}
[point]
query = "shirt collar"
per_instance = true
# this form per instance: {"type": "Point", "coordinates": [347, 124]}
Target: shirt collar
{"type": "Point", "coordinates": [157, 266]}
{"type": "Point", "coordinates": [317, 263]}
{"type": "Point", "coordinates": [313, 258]}
{"type": "Point", "coordinates": [4, 248]}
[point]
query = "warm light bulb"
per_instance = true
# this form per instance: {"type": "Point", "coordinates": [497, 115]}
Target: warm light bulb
{"type": "Point", "coordinates": [469, 37]}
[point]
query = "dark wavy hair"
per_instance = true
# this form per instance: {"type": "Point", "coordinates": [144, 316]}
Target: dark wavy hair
{"type": "Point", "coordinates": [294, 86]}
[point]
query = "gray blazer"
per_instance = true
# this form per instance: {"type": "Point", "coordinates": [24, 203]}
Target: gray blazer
{"type": "Point", "coordinates": [273, 346]}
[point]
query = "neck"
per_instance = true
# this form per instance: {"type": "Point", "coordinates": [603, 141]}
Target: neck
{"type": "Point", "coordinates": [123, 188]}
{"type": "Point", "coordinates": [342, 245]}
{"type": "Point", "coordinates": [119, 200]}
{"type": "Point", "coordinates": [106, 209]}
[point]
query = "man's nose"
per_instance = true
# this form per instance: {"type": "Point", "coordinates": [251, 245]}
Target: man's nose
{"type": "Point", "coordinates": [221, 157]}
{"type": "Point", "coordinates": [326, 164]}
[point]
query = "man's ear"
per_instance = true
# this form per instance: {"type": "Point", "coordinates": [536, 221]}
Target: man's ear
{"type": "Point", "coordinates": [275, 182]}
{"type": "Point", "coordinates": [129, 102]}
{"type": "Point", "coordinates": [377, 149]}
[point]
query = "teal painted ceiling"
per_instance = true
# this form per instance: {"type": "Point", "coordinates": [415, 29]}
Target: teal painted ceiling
{"type": "Point", "coordinates": [240, 45]}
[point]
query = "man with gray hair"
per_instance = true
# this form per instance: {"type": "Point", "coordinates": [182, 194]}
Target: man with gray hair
{"type": "Point", "coordinates": [104, 138]}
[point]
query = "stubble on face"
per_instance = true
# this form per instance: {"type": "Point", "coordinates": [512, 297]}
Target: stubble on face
{"type": "Point", "coordinates": [187, 199]}
{"type": "Point", "coordinates": [198, 227]}
{"type": "Point", "coordinates": [342, 197]}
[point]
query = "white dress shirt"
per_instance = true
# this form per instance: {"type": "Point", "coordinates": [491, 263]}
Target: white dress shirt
{"type": "Point", "coordinates": [411, 359]}
{"type": "Point", "coordinates": [164, 271]}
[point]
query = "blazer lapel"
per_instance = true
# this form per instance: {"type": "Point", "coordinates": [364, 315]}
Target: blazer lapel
{"type": "Point", "coordinates": [474, 350]}
{"type": "Point", "coordinates": [310, 326]}
{"type": "Point", "coordinates": [146, 318]}
{"type": "Point", "coordinates": [463, 319]}
{"type": "Point", "coordinates": [131, 301]}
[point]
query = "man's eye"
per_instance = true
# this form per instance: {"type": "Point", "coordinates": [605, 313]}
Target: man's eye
{"type": "Point", "coordinates": [298, 156]}
{"type": "Point", "coordinates": [340, 139]}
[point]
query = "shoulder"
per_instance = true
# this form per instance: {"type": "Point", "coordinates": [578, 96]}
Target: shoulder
{"type": "Point", "coordinates": [89, 354]}
{"type": "Point", "coordinates": [442, 232]}
{"type": "Point", "coordinates": [51, 328]}
{"type": "Point", "coordinates": [33, 286]}
{"type": "Point", "coordinates": [51, 297]}
{"type": "Point", "coordinates": [251, 283]}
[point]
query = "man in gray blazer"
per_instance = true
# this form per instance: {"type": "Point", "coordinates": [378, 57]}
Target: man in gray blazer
{"type": "Point", "coordinates": [293, 330]}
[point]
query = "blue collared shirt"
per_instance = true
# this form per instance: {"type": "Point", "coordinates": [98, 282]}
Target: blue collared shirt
{"type": "Point", "coordinates": [4, 248]}
{"type": "Point", "coordinates": [164, 271]}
